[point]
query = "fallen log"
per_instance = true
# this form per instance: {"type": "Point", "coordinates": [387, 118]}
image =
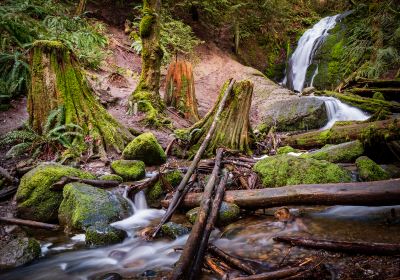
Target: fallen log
{"type": "Point", "coordinates": [371, 133]}
{"type": "Point", "coordinates": [188, 256]}
{"type": "Point", "coordinates": [58, 186]}
{"type": "Point", "coordinates": [362, 82]}
{"type": "Point", "coordinates": [29, 223]}
{"type": "Point", "coordinates": [277, 274]}
{"type": "Point", "coordinates": [180, 190]}
{"type": "Point", "coordinates": [387, 249]}
{"type": "Point", "coordinates": [215, 267]}
{"type": "Point", "coordinates": [376, 193]}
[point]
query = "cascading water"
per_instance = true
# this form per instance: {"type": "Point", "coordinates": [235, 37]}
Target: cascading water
{"type": "Point", "coordinates": [338, 111]}
{"type": "Point", "coordinates": [304, 54]}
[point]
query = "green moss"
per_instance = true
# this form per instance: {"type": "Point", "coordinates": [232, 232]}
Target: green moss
{"type": "Point", "coordinates": [370, 171]}
{"type": "Point", "coordinates": [378, 95]}
{"type": "Point", "coordinates": [35, 200]}
{"type": "Point", "coordinates": [103, 234]}
{"type": "Point", "coordinates": [145, 148]}
{"type": "Point", "coordinates": [282, 170]}
{"type": "Point", "coordinates": [132, 170]}
{"type": "Point", "coordinates": [146, 24]}
{"type": "Point", "coordinates": [156, 191]}
{"type": "Point", "coordinates": [228, 212]}
{"type": "Point", "coordinates": [345, 152]}
{"type": "Point", "coordinates": [111, 177]}
{"type": "Point", "coordinates": [286, 150]}
{"type": "Point", "coordinates": [174, 230]}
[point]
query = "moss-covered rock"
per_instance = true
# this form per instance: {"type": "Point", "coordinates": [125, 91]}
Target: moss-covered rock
{"type": "Point", "coordinates": [228, 212]}
{"type": "Point", "coordinates": [286, 149]}
{"type": "Point", "coordinates": [174, 230]}
{"type": "Point", "coordinates": [35, 200]}
{"type": "Point", "coordinates": [111, 177]}
{"type": "Point", "coordinates": [345, 152]}
{"type": "Point", "coordinates": [145, 148]}
{"type": "Point", "coordinates": [369, 170]}
{"type": "Point", "coordinates": [172, 178]}
{"type": "Point", "coordinates": [92, 209]}
{"type": "Point", "coordinates": [131, 170]}
{"type": "Point", "coordinates": [282, 170]}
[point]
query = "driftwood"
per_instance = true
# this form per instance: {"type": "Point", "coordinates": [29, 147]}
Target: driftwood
{"type": "Point", "coordinates": [342, 246]}
{"type": "Point", "coordinates": [142, 185]}
{"type": "Point", "coordinates": [188, 256]}
{"type": "Point", "coordinates": [277, 274]}
{"type": "Point", "coordinates": [58, 186]}
{"type": "Point", "coordinates": [29, 223]}
{"type": "Point", "coordinates": [7, 193]}
{"type": "Point", "coordinates": [182, 186]}
{"type": "Point", "coordinates": [214, 267]}
{"type": "Point", "coordinates": [385, 130]}
{"type": "Point", "coordinates": [376, 193]}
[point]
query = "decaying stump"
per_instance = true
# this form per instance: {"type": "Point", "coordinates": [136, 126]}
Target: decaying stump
{"type": "Point", "coordinates": [180, 91]}
{"type": "Point", "coordinates": [58, 83]}
{"type": "Point", "coordinates": [233, 129]}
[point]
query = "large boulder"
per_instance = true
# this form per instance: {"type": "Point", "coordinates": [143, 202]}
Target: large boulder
{"type": "Point", "coordinates": [345, 152]}
{"type": "Point", "coordinates": [297, 113]}
{"type": "Point", "coordinates": [129, 170]}
{"type": "Point", "coordinates": [282, 170]}
{"type": "Point", "coordinates": [92, 209]}
{"type": "Point", "coordinates": [35, 200]}
{"type": "Point", "coordinates": [228, 212]}
{"type": "Point", "coordinates": [145, 148]}
{"type": "Point", "coordinates": [369, 170]}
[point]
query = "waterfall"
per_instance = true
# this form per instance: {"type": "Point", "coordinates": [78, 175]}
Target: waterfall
{"type": "Point", "coordinates": [338, 111]}
{"type": "Point", "coordinates": [304, 54]}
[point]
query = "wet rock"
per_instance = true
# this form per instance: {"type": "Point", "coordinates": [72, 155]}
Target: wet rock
{"type": "Point", "coordinates": [92, 209]}
{"type": "Point", "coordinates": [18, 249]}
{"type": "Point", "coordinates": [308, 91]}
{"type": "Point", "coordinates": [228, 212]}
{"type": "Point", "coordinates": [299, 113]}
{"type": "Point", "coordinates": [174, 230]}
{"type": "Point", "coordinates": [35, 200]}
{"type": "Point", "coordinates": [130, 170]}
{"type": "Point", "coordinates": [345, 152]}
{"type": "Point", "coordinates": [368, 170]}
{"type": "Point", "coordinates": [145, 148]}
{"type": "Point", "coordinates": [282, 170]}
{"type": "Point", "coordinates": [111, 177]}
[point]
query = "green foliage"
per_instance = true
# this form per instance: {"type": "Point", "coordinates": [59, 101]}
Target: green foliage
{"type": "Point", "coordinates": [14, 73]}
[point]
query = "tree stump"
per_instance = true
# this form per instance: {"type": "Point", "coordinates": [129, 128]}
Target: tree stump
{"type": "Point", "coordinates": [180, 91]}
{"type": "Point", "coordinates": [233, 129]}
{"type": "Point", "coordinates": [58, 82]}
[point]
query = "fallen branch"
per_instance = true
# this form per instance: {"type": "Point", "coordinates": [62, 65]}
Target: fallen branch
{"type": "Point", "coordinates": [58, 186]}
{"type": "Point", "coordinates": [29, 223]}
{"type": "Point", "coordinates": [277, 274]}
{"type": "Point", "coordinates": [142, 185]}
{"type": "Point", "coordinates": [7, 193]}
{"type": "Point", "coordinates": [378, 193]}
{"type": "Point", "coordinates": [4, 173]}
{"type": "Point", "coordinates": [214, 267]}
{"type": "Point", "coordinates": [342, 246]}
{"type": "Point", "coordinates": [180, 189]}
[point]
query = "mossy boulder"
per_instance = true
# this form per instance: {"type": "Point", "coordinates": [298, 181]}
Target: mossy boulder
{"type": "Point", "coordinates": [228, 213]}
{"type": "Point", "coordinates": [145, 148]}
{"type": "Point", "coordinates": [172, 178]}
{"type": "Point", "coordinates": [92, 209]}
{"type": "Point", "coordinates": [174, 230]}
{"type": "Point", "coordinates": [282, 170]}
{"type": "Point", "coordinates": [111, 177]}
{"type": "Point", "coordinates": [369, 170]}
{"type": "Point", "coordinates": [285, 150]}
{"type": "Point", "coordinates": [130, 170]}
{"type": "Point", "coordinates": [345, 152]}
{"type": "Point", "coordinates": [35, 200]}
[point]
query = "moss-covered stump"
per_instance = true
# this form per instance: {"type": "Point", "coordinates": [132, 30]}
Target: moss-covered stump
{"type": "Point", "coordinates": [345, 152]}
{"type": "Point", "coordinates": [35, 200]}
{"type": "Point", "coordinates": [146, 94]}
{"type": "Point", "coordinates": [180, 91]}
{"type": "Point", "coordinates": [368, 170]}
{"type": "Point", "coordinates": [283, 170]}
{"type": "Point", "coordinates": [146, 148]}
{"type": "Point", "coordinates": [92, 209]}
{"type": "Point", "coordinates": [173, 230]}
{"type": "Point", "coordinates": [58, 82]}
{"type": "Point", "coordinates": [154, 193]}
{"type": "Point", "coordinates": [130, 170]}
{"type": "Point", "coordinates": [233, 130]}
{"type": "Point", "coordinates": [228, 213]}
{"type": "Point", "coordinates": [111, 177]}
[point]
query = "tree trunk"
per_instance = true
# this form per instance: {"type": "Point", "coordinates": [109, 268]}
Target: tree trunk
{"type": "Point", "coordinates": [58, 82]}
{"type": "Point", "coordinates": [180, 91]}
{"type": "Point", "coordinates": [233, 129]}
{"type": "Point", "coordinates": [81, 7]}
{"type": "Point", "coordinates": [370, 133]}
{"type": "Point", "coordinates": [147, 93]}
{"type": "Point", "coordinates": [377, 193]}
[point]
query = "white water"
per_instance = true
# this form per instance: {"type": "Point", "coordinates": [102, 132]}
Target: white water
{"type": "Point", "coordinates": [304, 54]}
{"type": "Point", "coordinates": [339, 111]}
